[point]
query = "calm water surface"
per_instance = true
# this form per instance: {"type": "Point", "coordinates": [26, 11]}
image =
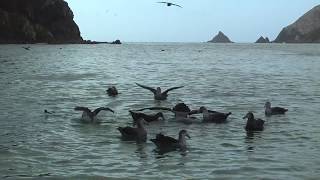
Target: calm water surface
{"type": "Point", "coordinates": [234, 77]}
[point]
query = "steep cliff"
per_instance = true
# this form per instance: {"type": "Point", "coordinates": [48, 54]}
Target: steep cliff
{"type": "Point", "coordinates": [220, 38]}
{"type": "Point", "coordinates": [305, 30]}
{"type": "Point", "coordinates": [37, 21]}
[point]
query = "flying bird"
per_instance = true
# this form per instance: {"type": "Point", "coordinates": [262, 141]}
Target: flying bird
{"type": "Point", "coordinates": [171, 4]}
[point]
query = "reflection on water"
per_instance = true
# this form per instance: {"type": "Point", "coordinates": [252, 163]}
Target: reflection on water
{"type": "Point", "coordinates": [223, 77]}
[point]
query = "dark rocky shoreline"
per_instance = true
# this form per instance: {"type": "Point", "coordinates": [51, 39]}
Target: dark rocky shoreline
{"type": "Point", "coordinates": [37, 21]}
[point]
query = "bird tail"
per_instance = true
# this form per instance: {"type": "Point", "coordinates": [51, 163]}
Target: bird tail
{"type": "Point", "coordinates": [228, 114]}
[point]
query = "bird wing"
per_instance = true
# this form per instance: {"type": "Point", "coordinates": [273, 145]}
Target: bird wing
{"type": "Point", "coordinates": [176, 5]}
{"type": "Point", "coordinates": [194, 112]}
{"type": "Point", "coordinates": [169, 140]}
{"type": "Point", "coordinates": [210, 111]}
{"type": "Point", "coordinates": [96, 111]}
{"type": "Point", "coordinates": [163, 2]}
{"type": "Point", "coordinates": [163, 140]}
{"type": "Point", "coordinates": [146, 87]}
{"type": "Point", "coordinates": [85, 109]}
{"type": "Point", "coordinates": [128, 131]}
{"type": "Point", "coordinates": [279, 109]}
{"type": "Point", "coordinates": [170, 89]}
{"type": "Point", "coordinates": [181, 107]}
{"type": "Point", "coordinates": [155, 108]}
{"type": "Point", "coordinates": [259, 122]}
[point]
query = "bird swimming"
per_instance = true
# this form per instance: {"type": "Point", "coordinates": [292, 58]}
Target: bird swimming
{"type": "Point", "coordinates": [168, 143]}
{"type": "Point", "coordinates": [158, 94]}
{"type": "Point", "coordinates": [252, 123]}
{"type": "Point", "coordinates": [147, 117]}
{"type": "Point", "coordinates": [48, 112]}
{"type": "Point", "coordinates": [91, 116]}
{"type": "Point", "coordinates": [26, 48]}
{"type": "Point", "coordinates": [181, 112]}
{"type": "Point", "coordinates": [138, 134]}
{"type": "Point", "coordinates": [112, 91]}
{"type": "Point", "coordinates": [273, 110]}
{"type": "Point", "coordinates": [213, 116]}
{"type": "Point", "coordinates": [170, 4]}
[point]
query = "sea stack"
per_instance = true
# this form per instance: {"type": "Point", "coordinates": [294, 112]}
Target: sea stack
{"type": "Point", "coordinates": [220, 38]}
{"type": "Point", "coordinates": [305, 30]}
{"type": "Point", "coordinates": [37, 21]}
{"type": "Point", "coordinates": [263, 40]}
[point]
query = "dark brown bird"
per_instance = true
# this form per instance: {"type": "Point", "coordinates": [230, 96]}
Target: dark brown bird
{"type": "Point", "coordinates": [167, 142]}
{"type": "Point", "coordinates": [138, 134]}
{"type": "Point", "coordinates": [147, 117]}
{"type": "Point", "coordinates": [112, 91]}
{"type": "Point", "coordinates": [170, 4]}
{"type": "Point", "coordinates": [213, 116]}
{"type": "Point", "coordinates": [252, 123]}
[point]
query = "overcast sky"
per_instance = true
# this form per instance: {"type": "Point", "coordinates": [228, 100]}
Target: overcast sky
{"type": "Point", "coordinates": [197, 21]}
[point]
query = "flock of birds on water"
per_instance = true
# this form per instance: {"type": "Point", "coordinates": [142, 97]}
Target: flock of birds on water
{"type": "Point", "coordinates": [182, 113]}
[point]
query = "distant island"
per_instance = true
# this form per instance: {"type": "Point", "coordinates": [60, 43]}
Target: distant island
{"type": "Point", "coordinates": [263, 40]}
{"type": "Point", "coordinates": [305, 30]}
{"type": "Point", "coordinates": [220, 38]}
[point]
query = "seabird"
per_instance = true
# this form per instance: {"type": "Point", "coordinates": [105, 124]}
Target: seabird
{"type": "Point", "coordinates": [149, 118]}
{"type": "Point", "coordinates": [168, 143]}
{"type": "Point", "coordinates": [158, 95]}
{"type": "Point", "coordinates": [47, 112]}
{"type": "Point", "coordinates": [170, 4]}
{"type": "Point", "coordinates": [181, 112]}
{"type": "Point", "coordinates": [26, 48]}
{"type": "Point", "coordinates": [273, 110]}
{"type": "Point", "coordinates": [213, 116]}
{"type": "Point", "coordinates": [90, 116]}
{"type": "Point", "coordinates": [112, 91]}
{"type": "Point", "coordinates": [138, 134]}
{"type": "Point", "coordinates": [252, 123]}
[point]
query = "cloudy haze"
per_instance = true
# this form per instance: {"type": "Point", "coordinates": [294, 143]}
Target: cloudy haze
{"type": "Point", "coordinates": [197, 21]}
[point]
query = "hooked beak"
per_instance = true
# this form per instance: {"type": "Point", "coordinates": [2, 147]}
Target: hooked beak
{"type": "Point", "coordinates": [246, 116]}
{"type": "Point", "coordinates": [188, 136]}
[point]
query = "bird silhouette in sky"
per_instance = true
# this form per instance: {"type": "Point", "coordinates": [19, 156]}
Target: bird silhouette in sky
{"type": "Point", "coordinates": [171, 4]}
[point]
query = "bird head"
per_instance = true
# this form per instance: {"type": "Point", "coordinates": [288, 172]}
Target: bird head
{"type": "Point", "coordinates": [249, 115]}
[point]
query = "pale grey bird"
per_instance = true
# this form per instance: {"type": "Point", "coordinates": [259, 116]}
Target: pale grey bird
{"type": "Point", "coordinates": [91, 116]}
{"type": "Point", "coordinates": [157, 93]}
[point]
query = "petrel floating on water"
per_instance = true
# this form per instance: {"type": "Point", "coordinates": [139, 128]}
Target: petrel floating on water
{"type": "Point", "coordinates": [170, 4]}
{"type": "Point", "coordinates": [158, 94]}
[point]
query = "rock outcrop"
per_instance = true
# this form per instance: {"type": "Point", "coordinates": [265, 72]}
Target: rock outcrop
{"type": "Point", "coordinates": [101, 42]}
{"type": "Point", "coordinates": [37, 21]}
{"type": "Point", "coordinates": [305, 30]}
{"type": "Point", "coordinates": [263, 40]}
{"type": "Point", "coordinates": [220, 38]}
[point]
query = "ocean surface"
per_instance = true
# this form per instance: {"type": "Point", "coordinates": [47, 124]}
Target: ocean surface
{"type": "Point", "coordinates": [224, 77]}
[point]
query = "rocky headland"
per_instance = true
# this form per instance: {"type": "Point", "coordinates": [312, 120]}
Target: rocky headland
{"type": "Point", "coordinates": [37, 21]}
{"type": "Point", "coordinates": [305, 30]}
